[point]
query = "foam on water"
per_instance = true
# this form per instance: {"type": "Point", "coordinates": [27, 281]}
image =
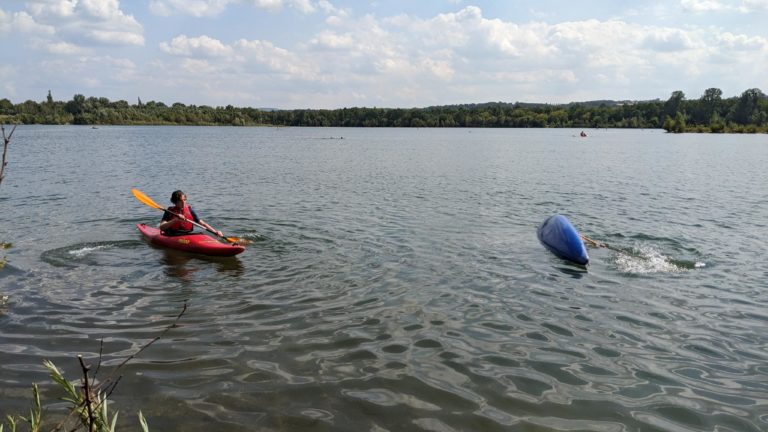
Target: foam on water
{"type": "Point", "coordinates": [86, 250]}
{"type": "Point", "coordinates": [644, 259]}
{"type": "Point", "coordinates": [91, 253]}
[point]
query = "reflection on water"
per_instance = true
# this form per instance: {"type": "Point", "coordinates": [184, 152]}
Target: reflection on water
{"type": "Point", "coordinates": [183, 265]}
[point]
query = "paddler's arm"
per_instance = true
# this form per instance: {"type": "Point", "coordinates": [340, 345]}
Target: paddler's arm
{"type": "Point", "coordinates": [204, 223]}
{"type": "Point", "coordinates": [167, 220]}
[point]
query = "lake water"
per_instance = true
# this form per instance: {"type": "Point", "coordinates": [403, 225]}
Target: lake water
{"type": "Point", "coordinates": [395, 281]}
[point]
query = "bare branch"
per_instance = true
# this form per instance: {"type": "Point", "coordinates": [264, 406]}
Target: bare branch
{"type": "Point", "coordinates": [87, 393]}
{"type": "Point", "coordinates": [101, 352]}
{"type": "Point", "coordinates": [111, 376]}
{"type": "Point", "coordinates": [6, 141]}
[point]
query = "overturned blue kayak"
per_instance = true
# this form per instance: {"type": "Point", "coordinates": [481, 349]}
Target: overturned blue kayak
{"type": "Point", "coordinates": [558, 235]}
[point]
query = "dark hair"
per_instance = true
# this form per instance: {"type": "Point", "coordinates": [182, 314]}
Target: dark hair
{"type": "Point", "coordinates": [176, 196]}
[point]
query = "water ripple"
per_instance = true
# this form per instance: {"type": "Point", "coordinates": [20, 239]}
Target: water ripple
{"type": "Point", "coordinates": [395, 281]}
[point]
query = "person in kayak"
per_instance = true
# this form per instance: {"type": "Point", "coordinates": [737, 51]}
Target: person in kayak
{"type": "Point", "coordinates": [172, 224]}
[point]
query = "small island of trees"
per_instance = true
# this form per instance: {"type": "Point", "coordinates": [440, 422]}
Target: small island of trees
{"type": "Point", "coordinates": [747, 113]}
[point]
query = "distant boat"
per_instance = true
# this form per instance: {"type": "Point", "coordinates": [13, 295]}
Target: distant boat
{"type": "Point", "coordinates": [583, 134]}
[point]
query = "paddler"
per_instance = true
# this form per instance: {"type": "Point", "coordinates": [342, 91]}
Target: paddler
{"type": "Point", "coordinates": [172, 224]}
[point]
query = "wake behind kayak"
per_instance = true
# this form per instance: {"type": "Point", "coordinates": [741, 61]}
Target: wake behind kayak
{"type": "Point", "coordinates": [198, 243]}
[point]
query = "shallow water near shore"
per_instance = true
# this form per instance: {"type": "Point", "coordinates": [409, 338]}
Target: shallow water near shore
{"type": "Point", "coordinates": [394, 281]}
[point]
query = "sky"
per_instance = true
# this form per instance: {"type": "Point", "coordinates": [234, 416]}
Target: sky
{"type": "Point", "coordinates": [326, 54]}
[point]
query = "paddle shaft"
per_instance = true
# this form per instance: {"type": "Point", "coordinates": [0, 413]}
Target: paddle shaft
{"type": "Point", "coordinates": [594, 243]}
{"type": "Point", "coordinates": [195, 223]}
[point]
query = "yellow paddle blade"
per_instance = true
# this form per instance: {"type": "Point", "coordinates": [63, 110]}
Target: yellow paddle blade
{"type": "Point", "coordinates": [238, 240]}
{"type": "Point", "coordinates": [145, 199]}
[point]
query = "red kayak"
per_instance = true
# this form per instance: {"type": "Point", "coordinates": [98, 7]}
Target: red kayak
{"type": "Point", "coordinates": [198, 243]}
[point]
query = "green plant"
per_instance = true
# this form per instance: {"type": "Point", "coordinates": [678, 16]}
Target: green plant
{"type": "Point", "coordinates": [88, 402]}
{"type": "Point", "coordinates": [89, 406]}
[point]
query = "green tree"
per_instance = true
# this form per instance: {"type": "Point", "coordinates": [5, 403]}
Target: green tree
{"type": "Point", "coordinates": [673, 104]}
{"type": "Point", "coordinates": [716, 123]}
{"type": "Point", "coordinates": [747, 109]}
{"type": "Point", "coordinates": [676, 125]}
{"type": "Point", "coordinates": [679, 122]}
{"type": "Point", "coordinates": [709, 104]}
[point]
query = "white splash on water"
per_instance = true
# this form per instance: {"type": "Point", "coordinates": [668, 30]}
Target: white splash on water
{"type": "Point", "coordinates": [79, 253]}
{"type": "Point", "coordinates": [646, 259]}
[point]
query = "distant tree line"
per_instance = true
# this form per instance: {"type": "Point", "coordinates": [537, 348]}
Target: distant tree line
{"type": "Point", "coordinates": [747, 113]}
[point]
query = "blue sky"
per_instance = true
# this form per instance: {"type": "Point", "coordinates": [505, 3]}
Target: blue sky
{"type": "Point", "coordinates": [397, 53]}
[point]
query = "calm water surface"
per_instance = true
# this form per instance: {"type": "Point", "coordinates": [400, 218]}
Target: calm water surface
{"type": "Point", "coordinates": [395, 281]}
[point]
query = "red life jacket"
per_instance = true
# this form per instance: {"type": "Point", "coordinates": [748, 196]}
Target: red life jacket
{"type": "Point", "coordinates": [178, 224]}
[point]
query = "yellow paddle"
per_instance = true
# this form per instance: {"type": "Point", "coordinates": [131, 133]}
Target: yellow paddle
{"type": "Point", "coordinates": [148, 201]}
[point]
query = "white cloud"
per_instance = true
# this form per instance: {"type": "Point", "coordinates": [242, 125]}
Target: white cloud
{"type": "Point", "coordinates": [742, 42]}
{"type": "Point", "coordinates": [24, 23]}
{"type": "Point", "coordinates": [748, 6]}
{"type": "Point", "coordinates": [327, 7]}
{"type": "Point", "coordinates": [744, 6]}
{"type": "Point", "coordinates": [208, 8]}
{"type": "Point", "coordinates": [199, 67]}
{"type": "Point", "coordinates": [242, 57]}
{"type": "Point", "coordinates": [56, 8]}
{"type": "Point", "coordinates": [331, 40]}
{"type": "Point", "coordinates": [197, 8]}
{"type": "Point", "coordinates": [61, 48]}
{"type": "Point", "coordinates": [108, 37]}
{"type": "Point", "coordinates": [304, 6]}
{"type": "Point", "coordinates": [468, 52]}
{"type": "Point", "coordinates": [198, 46]}
{"type": "Point", "coordinates": [276, 59]}
{"type": "Point", "coordinates": [667, 40]}
{"type": "Point", "coordinates": [104, 9]}
{"type": "Point", "coordinates": [699, 6]}
{"type": "Point", "coordinates": [268, 4]}
{"type": "Point", "coordinates": [439, 68]}
{"type": "Point", "coordinates": [69, 26]}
